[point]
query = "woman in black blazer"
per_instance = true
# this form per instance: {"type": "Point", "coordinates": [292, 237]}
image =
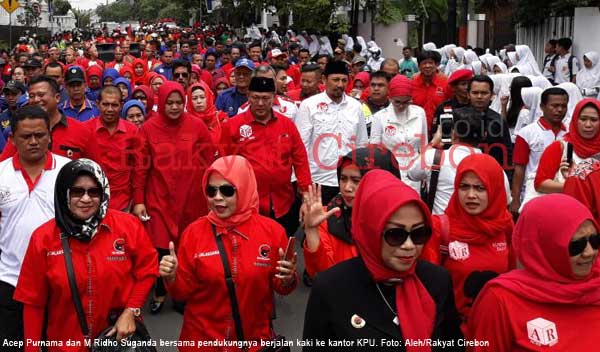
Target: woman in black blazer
{"type": "Point", "coordinates": [385, 299]}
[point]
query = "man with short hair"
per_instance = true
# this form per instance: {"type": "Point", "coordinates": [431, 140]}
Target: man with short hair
{"type": "Point", "coordinates": [408, 64]}
{"type": "Point", "coordinates": [310, 83]}
{"type": "Point", "coordinates": [115, 147]}
{"type": "Point", "coordinates": [459, 82]}
{"type": "Point", "coordinates": [181, 72]}
{"type": "Point", "coordinates": [429, 87]}
{"type": "Point", "coordinates": [232, 98]}
{"type": "Point", "coordinates": [532, 140]}
{"type": "Point", "coordinates": [550, 51]}
{"type": "Point", "coordinates": [565, 65]}
{"type": "Point", "coordinates": [331, 125]}
{"type": "Point", "coordinates": [303, 57]}
{"type": "Point", "coordinates": [12, 91]}
{"type": "Point", "coordinates": [358, 64]}
{"type": "Point", "coordinates": [69, 136]}
{"type": "Point", "coordinates": [271, 143]}
{"type": "Point", "coordinates": [77, 106]}
{"type": "Point", "coordinates": [323, 60]}
{"type": "Point", "coordinates": [378, 93]}
{"type": "Point", "coordinates": [119, 62]}
{"type": "Point", "coordinates": [33, 67]}
{"type": "Point", "coordinates": [27, 180]}
{"type": "Point", "coordinates": [390, 66]}
{"type": "Point", "coordinates": [255, 52]}
{"type": "Point", "coordinates": [166, 68]}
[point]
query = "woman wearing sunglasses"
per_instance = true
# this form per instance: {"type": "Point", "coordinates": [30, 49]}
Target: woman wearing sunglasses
{"type": "Point", "coordinates": [477, 227]}
{"type": "Point", "coordinates": [254, 247]}
{"type": "Point", "coordinates": [553, 302]}
{"type": "Point", "coordinates": [167, 192]}
{"type": "Point", "coordinates": [386, 292]}
{"type": "Point", "coordinates": [113, 260]}
{"type": "Point", "coordinates": [328, 238]}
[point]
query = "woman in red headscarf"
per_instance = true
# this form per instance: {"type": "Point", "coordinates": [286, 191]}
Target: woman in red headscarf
{"type": "Point", "coordinates": [386, 292]}
{"type": "Point", "coordinates": [360, 84]}
{"type": "Point", "coordinates": [167, 191]}
{"type": "Point", "coordinates": [93, 79]}
{"type": "Point", "coordinates": [553, 302]}
{"type": "Point", "coordinates": [201, 104]}
{"type": "Point", "coordinates": [479, 231]}
{"type": "Point", "coordinates": [254, 248]}
{"type": "Point", "coordinates": [584, 138]}
{"type": "Point", "coordinates": [127, 73]}
{"type": "Point", "coordinates": [144, 94]}
{"type": "Point", "coordinates": [221, 84]}
{"type": "Point", "coordinates": [140, 72]}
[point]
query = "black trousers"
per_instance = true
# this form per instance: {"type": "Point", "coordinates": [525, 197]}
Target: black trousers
{"type": "Point", "coordinates": [290, 221]}
{"type": "Point", "coordinates": [11, 318]}
{"type": "Point", "coordinates": [159, 289]}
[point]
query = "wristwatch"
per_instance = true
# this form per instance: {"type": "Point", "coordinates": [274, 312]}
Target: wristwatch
{"type": "Point", "coordinates": [136, 311]}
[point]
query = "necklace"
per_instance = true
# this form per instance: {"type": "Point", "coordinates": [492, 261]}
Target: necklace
{"type": "Point", "coordinates": [395, 321]}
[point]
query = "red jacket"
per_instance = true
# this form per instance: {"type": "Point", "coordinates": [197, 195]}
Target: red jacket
{"type": "Point", "coordinates": [201, 283]}
{"type": "Point", "coordinates": [429, 96]}
{"type": "Point", "coordinates": [117, 154]}
{"type": "Point", "coordinates": [272, 149]}
{"type": "Point", "coordinates": [169, 181]}
{"type": "Point", "coordinates": [583, 184]}
{"type": "Point", "coordinates": [115, 270]}
{"type": "Point", "coordinates": [294, 72]}
{"type": "Point", "coordinates": [510, 322]}
{"type": "Point", "coordinates": [70, 139]}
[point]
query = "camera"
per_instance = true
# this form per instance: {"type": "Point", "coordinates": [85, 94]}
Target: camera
{"type": "Point", "coordinates": [446, 122]}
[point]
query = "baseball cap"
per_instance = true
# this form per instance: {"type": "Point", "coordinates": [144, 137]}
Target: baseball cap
{"type": "Point", "coordinates": [245, 63]}
{"type": "Point", "coordinates": [74, 74]}
{"type": "Point", "coordinates": [14, 87]}
{"type": "Point", "coordinates": [358, 59]}
{"type": "Point", "coordinates": [275, 53]}
{"type": "Point", "coordinates": [32, 63]}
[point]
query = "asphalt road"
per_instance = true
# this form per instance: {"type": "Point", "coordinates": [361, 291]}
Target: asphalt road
{"type": "Point", "coordinates": [289, 322]}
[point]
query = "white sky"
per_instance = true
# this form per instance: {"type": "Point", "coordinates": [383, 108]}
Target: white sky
{"type": "Point", "coordinates": [87, 4]}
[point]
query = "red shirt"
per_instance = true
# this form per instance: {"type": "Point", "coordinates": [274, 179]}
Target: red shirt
{"type": "Point", "coordinates": [272, 149]}
{"type": "Point", "coordinates": [294, 72]}
{"type": "Point", "coordinates": [85, 62]}
{"type": "Point", "coordinates": [429, 96]}
{"type": "Point", "coordinates": [117, 154]}
{"type": "Point", "coordinates": [512, 323]}
{"type": "Point", "coordinates": [583, 184]}
{"type": "Point", "coordinates": [169, 180]}
{"type": "Point", "coordinates": [549, 163]}
{"type": "Point", "coordinates": [70, 138]}
{"type": "Point", "coordinates": [115, 270]}
{"type": "Point", "coordinates": [254, 248]}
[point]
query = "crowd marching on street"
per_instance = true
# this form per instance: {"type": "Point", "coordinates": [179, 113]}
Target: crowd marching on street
{"type": "Point", "coordinates": [446, 200]}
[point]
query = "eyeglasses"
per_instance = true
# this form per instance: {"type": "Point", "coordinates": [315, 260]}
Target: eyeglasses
{"type": "Point", "coordinates": [401, 103]}
{"type": "Point", "coordinates": [139, 97]}
{"type": "Point", "coordinates": [225, 190]}
{"type": "Point", "coordinates": [181, 74]}
{"type": "Point", "coordinates": [78, 192]}
{"type": "Point", "coordinates": [398, 235]}
{"type": "Point", "coordinates": [578, 246]}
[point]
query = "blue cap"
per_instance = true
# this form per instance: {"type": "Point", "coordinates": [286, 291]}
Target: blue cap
{"type": "Point", "coordinates": [245, 63]}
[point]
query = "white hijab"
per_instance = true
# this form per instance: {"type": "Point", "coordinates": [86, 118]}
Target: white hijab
{"type": "Point", "coordinates": [349, 42]}
{"type": "Point", "coordinates": [589, 78]}
{"type": "Point", "coordinates": [512, 57]}
{"type": "Point", "coordinates": [502, 66]}
{"type": "Point", "coordinates": [527, 65]}
{"type": "Point", "coordinates": [454, 63]}
{"type": "Point", "coordinates": [574, 98]}
{"type": "Point", "coordinates": [540, 81]}
{"type": "Point", "coordinates": [325, 46]}
{"type": "Point", "coordinates": [532, 97]}
{"type": "Point", "coordinates": [429, 46]}
{"type": "Point", "coordinates": [364, 49]}
{"type": "Point", "coordinates": [501, 89]}
{"type": "Point", "coordinates": [314, 45]}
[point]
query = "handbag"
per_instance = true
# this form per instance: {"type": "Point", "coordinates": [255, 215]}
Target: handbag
{"type": "Point", "coordinates": [277, 341]}
{"type": "Point", "coordinates": [140, 341]}
{"type": "Point", "coordinates": [428, 191]}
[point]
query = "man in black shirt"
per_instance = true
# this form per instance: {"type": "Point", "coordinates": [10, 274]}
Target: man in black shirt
{"type": "Point", "coordinates": [459, 82]}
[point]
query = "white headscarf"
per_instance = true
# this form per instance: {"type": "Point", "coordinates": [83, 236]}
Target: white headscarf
{"type": "Point", "coordinates": [527, 65]}
{"type": "Point", "coordinates": [303, 42]}
{"type": "Point", "coordinates": [314, 45]}
{"type": "Point", "coordinates": [364, 51]}
{"type": "Point", "coordinates": [574, 98]}
{"type": "Point", "coordinates": [532, 96]}
{"type": "Point", "coordinates": [501, 89]}
{"type": "Point", "coordinates": [349, 42]}
{"type": "Point", "coordinates": [589, 78]}
{"type": "Point", "coordinates": [476, 66]}
{"type": "Point", "coordinates": [325, 46]}
{"type": "Point", "coordinates": [485, 59]}
{"type": "Point", "coordinates": [429, 46]}
{"type": "Point", "coordinates": [470, 57]}
{"type": "Point", "coordinates": [502, 66]}
{"type": "Point", "coordinates": [454, 63]}
{"type": "Point", "coordinates": [512, 57]}
{"type": "Point", "coordinates": [540, 81]}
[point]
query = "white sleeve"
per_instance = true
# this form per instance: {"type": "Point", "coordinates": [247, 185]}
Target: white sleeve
{"type": "Point", "coordinates": [376, 127]}
{"type": "Point", "coordinates": [304, 124]}
{"type": "Point", "coordinates": [362, 138]}
{"type": "Point", "coordinates": [424, 132]}
{"type": "Point", "coordinates": [421, 167]}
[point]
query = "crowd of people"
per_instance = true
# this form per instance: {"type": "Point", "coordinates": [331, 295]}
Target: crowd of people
{"type": "Point", "coordinates": [451, 196]}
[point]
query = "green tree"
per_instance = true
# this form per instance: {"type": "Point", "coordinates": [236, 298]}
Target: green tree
{"type": "Point", "coordinates": [117, 11]}
{"type": "Point", "coordinates": [60, 7]}
{"type": "Point", "coordinates": [83, 18]}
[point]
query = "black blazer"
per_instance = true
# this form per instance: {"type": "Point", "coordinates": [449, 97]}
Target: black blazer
{"type": "Point", "coordinates": [348, 289]}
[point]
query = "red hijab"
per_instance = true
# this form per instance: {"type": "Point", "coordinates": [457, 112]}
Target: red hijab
{"type": "Point", "coordinates": [143, 79]}
{"type": "Point", "coordinates": [210, 113]}
{"type": "Point", "coordinates": [149, 97]}
{"type": "Point", "coordinates": [163, 93]}
{"type": "Point", "coordinates": [541, 241]}
{"type": "Point", "coordinates": [93, 70]}
{"type": "Point", "coordinates": [380, 194]}
{"type": "Point", "coordinates": [127, 68]}
{"type": "Point", "coordinates": [237, 171]}
{"type": "Point", "coordinates": [583, 147]}
{"type": "Point", "coordinates": [495, 220]}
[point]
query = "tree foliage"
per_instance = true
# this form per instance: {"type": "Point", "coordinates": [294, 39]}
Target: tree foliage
{"type": "Point", "coordinates": [83, 18]}
{"type": "Point", "coordinates": [60, 7]}
{"type": "Point", "coordinates": [117, 11]}
{"type": "Point", "coordinates": [527, 12]}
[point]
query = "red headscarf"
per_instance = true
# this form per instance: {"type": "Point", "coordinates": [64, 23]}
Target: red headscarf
{"type": "Point", "coordinates": [163, 93]}
{"type": "Point", "coordinates": [364, 77]}
{"type": "Point", "coordinates": [380, 194]}
{"type": "Point", "coordinates": [400, 86]}
{"type": "Point", "coordinates": [495, 220]}
{"type": "Point", "coordinates": [149, 97]}
{"type": "Point", "coordinates": [210, 112]}
{"type": "Point", "coordinates": [93, 70]}
{"type": "Point", "coordinates": [127, 68]}
{"type": "Point", "coordinates": [239, 172]}
{"type": "Point", "coordinates": [583, 147]}
{"type": "Point", "coordinates": [222, 80]}
{"type": "Point", "coordinates": [143, 79]}
{"type": "Point", "coordinates": [541, 241]}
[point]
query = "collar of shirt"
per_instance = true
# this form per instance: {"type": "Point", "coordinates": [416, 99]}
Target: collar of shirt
{"type": "Point", "coordinates": [63, 121]}
{"type": "Point", "coordinates": [86, 105]}
{"type": "Point", "coordinates": [120, 125]}
{"type": "Point", "coordinates": [48, 166]}
{"type": "Point", "coordinates": [248, 117]}
{"type": "Point", "coordinates": [330, 101]}
{"type": "Point", "coordinates": [546, 126]}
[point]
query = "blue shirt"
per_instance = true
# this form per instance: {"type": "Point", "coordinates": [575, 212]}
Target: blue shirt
{"type": "Point", "coordinates": [2, 142]}
{"type": "Point", "coordinates": [5, 121]}
{"type": "Point", "coordinates": [166, 71]}
{"type": "Point", "coordinates": [87, 111]}
{"type": "Point", "coordinates": [230, 101]}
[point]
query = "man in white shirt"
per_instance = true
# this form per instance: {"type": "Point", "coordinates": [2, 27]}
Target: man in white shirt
{"type": "Point", "coordinates": [331, 124]}
{"type": "Point", "coordinates": [565, 65]}
{"type": "Point", "coordinates": [26, 201]}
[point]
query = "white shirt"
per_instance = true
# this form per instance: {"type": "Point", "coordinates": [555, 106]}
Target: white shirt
{"type": "Point", "coordinates": [330, 131]}
{"type": "Point", "coordinates": [402, 134]}
{"type": "Point", "coordinates": [22, 212]}
{"type": "Point", "coordinates": [281, 105]}
{"type": "Point", "coordinates": [562, 68]}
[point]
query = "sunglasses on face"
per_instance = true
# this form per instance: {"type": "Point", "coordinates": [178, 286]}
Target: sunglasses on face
{"type": "Point", "coordinates": [225, 190]}
{"type": "Point", "coordinates": [139, 97]}
{"type": "Point", "coordinates": [78, 192]}
{"type": "Point", "coordinates": [181, 74]}
{"type": "Point", "coordinates": [578, 246]}
{"type": "Point", "coordinates": [398, 235]}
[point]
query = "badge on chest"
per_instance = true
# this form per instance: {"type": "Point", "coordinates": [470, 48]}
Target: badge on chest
{"type": "Point", "coordinates": [458, 250]}
{"type": "Point", "coordinates": [542, 332]}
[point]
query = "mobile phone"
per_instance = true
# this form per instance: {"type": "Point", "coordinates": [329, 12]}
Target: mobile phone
{"type": "Point", "coordinates": [447, 122]}
{"type": "Point", "coordinates": [289, 250]}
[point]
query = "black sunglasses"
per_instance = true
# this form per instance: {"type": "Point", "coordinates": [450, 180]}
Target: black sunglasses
{"type": "Point", "coordinates": [398, 235]}
{"type": "Point", "coordinates": [78, 192]}
{"type": "Point", "coordinates": [181, 74]}
{"type": "Point", "coordinates": [578, 246]}
{"type": "Point", "coordinates": [226, 191]}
